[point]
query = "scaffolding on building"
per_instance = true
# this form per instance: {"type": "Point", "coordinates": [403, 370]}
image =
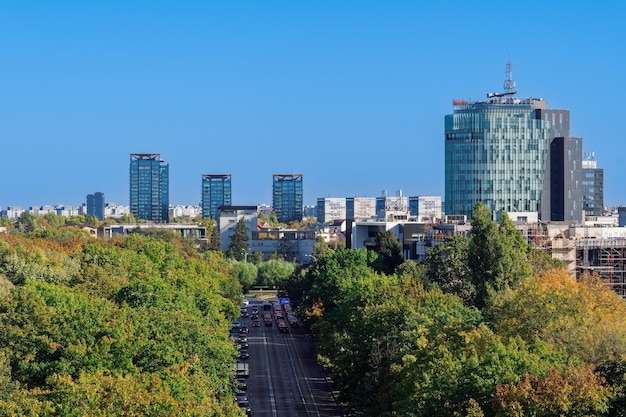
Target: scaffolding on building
{"type": "Point", "coordinates": [606, 258]}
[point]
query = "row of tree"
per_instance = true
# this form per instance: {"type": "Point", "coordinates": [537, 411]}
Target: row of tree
{"type": "Point", "coordinates": [488, 326]}
{"type": "Point", "coordinates": [122, 327]}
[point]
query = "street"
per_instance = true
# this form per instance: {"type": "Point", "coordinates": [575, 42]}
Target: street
{"type": "Point", "coordinates": [284, 379]}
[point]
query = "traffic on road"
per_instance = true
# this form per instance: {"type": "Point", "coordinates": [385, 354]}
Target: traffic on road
{"type": "Point", "coordinates": [276, 371]}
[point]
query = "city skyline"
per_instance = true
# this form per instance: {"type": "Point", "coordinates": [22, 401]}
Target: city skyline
{"type": "Point", "coordinates": [351, 95]}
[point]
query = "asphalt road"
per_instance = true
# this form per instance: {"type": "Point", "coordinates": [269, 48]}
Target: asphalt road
{"type": "Point", "coordinates": [285, 379]}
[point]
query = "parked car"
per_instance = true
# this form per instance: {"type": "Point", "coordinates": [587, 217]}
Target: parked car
{"type": "Point", "coordinates": [245, 405]}
{"type": "Point", "coordinates": [241, 384]}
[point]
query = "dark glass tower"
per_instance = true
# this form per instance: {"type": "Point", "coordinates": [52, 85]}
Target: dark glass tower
{"type": "Point", "coordinates": [149, 187]}
{"type": "Point", "coordinates": [593, 187]}
{"type": "Point", "coordinates": [95, 205]}
{"type": "Point", "coordinates": [216, 192]}
{"type": "Point", "coordinates": [287, 197]}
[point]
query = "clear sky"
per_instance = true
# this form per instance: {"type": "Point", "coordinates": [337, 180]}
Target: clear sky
{"type": "Point", "coordinates": [351, 94]}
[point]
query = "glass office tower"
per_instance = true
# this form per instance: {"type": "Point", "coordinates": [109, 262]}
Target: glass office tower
{"type": "Point", "coordinates": [95, 205]}
{"type": "Point", "coordinates": [287, 197]}
{"type": "Point", "coordinates": [216, 192]}
{"type": "Point", "coordinates": [497, 152]}
{"type": "Point", "coordinates": [149, 187]}
{"type": "Point", "coordinates": [593, 187]}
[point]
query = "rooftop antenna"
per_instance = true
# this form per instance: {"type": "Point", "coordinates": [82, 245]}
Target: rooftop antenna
{"type": "Point", "coordinates": [509, 84]}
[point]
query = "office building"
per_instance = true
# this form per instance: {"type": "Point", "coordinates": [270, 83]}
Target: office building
{"type": "Point", "coordinates": [593, 187]}
{"type": "Point", "coordinates": [330, 209]}
{"type": "Point", "coordinates": [566, 194]}
{"type": "Point", "coordinates": [392, 208]}
{"type": "Point", "coordinates": [287, 197]}
{"type": "Point", "coordinates": [95, 205]}
{"type": "Point", "coordinates": [228, 218]}
{"type": "Point", "coordinates": [361, 208]}
{"type": "Point", "coordinates": [498, 151]}
{"type": "Point", "coordinates": [216, 192]}
{"type": "Point", "coordinates": [426, 207]}
{"type": "Point", "coordinates": [149, 187]}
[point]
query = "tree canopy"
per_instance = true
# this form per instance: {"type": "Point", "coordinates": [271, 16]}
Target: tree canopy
{"type": "Point", "coordinates": [483, 328]}
{"type": "Point", "coordinates": [133, 326]}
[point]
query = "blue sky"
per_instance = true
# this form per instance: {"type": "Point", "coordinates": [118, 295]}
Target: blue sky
{"type": "Point", "coordinates": [351, 94]}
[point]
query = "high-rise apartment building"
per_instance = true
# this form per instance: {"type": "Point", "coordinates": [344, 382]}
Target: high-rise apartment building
{"type": "Point", "coordinates": [95, 205]}
{"type": "Point", "coordinates": [287, 197]}
{"type": "Point", "coordinates": [593, 187]}
{"type": "Point", "coordinates": [216, 192]}
{"type": "Point", "coordinates": [503, 152]}
{"type": "Point", "coordinates": [149, 187]}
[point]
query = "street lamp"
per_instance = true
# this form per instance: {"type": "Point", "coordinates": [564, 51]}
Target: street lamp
{"type": "Point", "coordinates": [245, 255]}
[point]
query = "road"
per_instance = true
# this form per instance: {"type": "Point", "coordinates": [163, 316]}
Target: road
{"type": "Point", "coordinates": [285, 379]}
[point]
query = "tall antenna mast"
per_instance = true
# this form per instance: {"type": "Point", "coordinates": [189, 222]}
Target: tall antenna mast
{"type": "Point", "coordinates": [509, 84]}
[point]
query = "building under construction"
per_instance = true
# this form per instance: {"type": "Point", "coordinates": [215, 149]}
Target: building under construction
{"type": "Point", "coordinates": [599, 249]}
{"type": "Point", "coordinates": [606, 258]}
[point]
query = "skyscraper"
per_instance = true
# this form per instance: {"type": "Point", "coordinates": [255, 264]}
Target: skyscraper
{"type": "Point", "coordinates": [498, 151]}
{"type": "Point", "coordinates": [216, 192]}
{"type": "Point", "coordinates": [149, 187]}
{"type": "Point", "coordinates": [287, 197]}
{"type": "Point", "coordinates": [593, 187]}
{"type": "Point", "coordinates": [566, 188]}
{"type": "Point", "coordinates": [95, 205]}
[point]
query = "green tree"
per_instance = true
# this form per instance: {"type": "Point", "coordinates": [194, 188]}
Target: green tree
{"type": "Point", "coordinates": [287, 249]}
{"type": "Point", "coordinates": [389, 252]}
{"type": "Point", "coordinates": [53, 220]}
{"type": "Point", "coordinates": [447, 266]}
{"type": "Point", "coordinates": [275, 272]}
{"type": "Point", "coordinates": [215, 240]}
{"type": "Point", "coordinates": [246, 273]}
{"type": "Point", "coordinates": [239, 242]}
{"type": "Point", "coordinates": [28, 222]}
{"type": "Point", "coordinates": [497, 255]}
{"type": "Point", "coordinates": [5, 222]}
{"type": "Point", "coordinates": [257, 258]}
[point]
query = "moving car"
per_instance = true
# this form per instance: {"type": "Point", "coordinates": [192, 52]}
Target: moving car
{"type": "Point", "coordinates": [244, 354]}
{"type": "Point", "coordinates": [256, 323]}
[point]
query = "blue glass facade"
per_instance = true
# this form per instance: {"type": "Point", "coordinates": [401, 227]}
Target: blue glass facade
{"type": "Point", "coordinates": [496, 152]}
{"type": "Point", "coordinates": [287, 197]}
{"type": "Point", "coordinates": [95, 205]}
{"type": "Point", "coordinates": [216, 192]}
{"type": "Point", "coordinates": [149, 187]}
